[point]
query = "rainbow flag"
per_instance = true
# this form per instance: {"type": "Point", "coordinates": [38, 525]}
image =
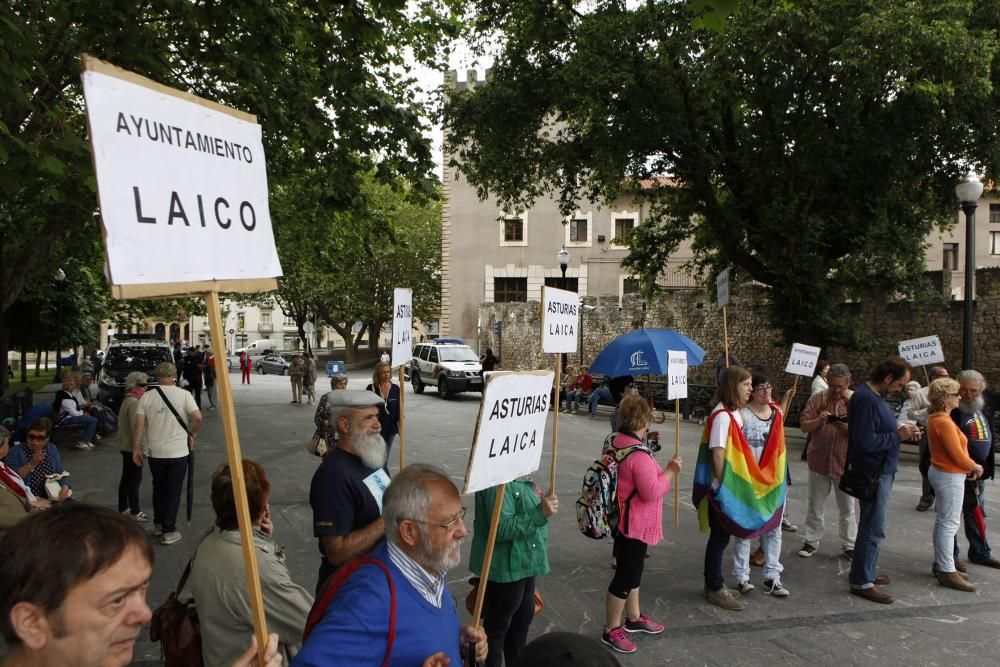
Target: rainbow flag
{"type": "Point", "coordinates": [750, 496]}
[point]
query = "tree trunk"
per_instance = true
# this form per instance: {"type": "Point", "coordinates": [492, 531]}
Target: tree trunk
{"type": "Point", "coordinates": [38, 361]}
{"type": "Point", "coordinates": [24, 365]}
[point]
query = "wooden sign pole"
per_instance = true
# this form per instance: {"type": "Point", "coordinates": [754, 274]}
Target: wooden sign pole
{"type": "Point", "coordinates": [927, 377]}
{"type": "Point", "coordinates": [402, 416]}
{"type": "Point", "coordinates": [677, 452]}
{"type": "Point", "coordinates": [484, 576]}
{"type": "Point", "coordinates": [789, 396]}
{"type": "Point", "coordinates": [725, 336]}
{"type": "Point", "coordinates": [557, 383]}
{"type": "Point", "coordinates": [235, 459]}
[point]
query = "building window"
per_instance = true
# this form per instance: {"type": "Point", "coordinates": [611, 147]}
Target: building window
{"type": "Point", "coordinates": [622, 227]}
{"type": "Point", "coordinates": [568, 284]}
{"type": "Point", "coordinates": [513, 230]}
{"type": "Point", "coordinates": [994, 212]}
{"type": "Point", "coordinates": [579, 230]}
{"type": "Point", "coordinates": [995, 243]}
{"type": "Point", "coordinates": [265, 317]}
{"type": "Point", "coordinates": [289, 321]}
{"type": "Point", "coordinates": [630, 286]}
{"type": "Point", "coordinates": [241, 320]}
{"type": "Point", "coordinates": [291, 342]}
{"type": "Point", "coordinates": [506, 290]}
{"type": "Point", "coordinates": [949, 259]}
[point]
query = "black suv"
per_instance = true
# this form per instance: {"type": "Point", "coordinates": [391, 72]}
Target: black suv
{"type": "Point", "coordinates": [125, 355]}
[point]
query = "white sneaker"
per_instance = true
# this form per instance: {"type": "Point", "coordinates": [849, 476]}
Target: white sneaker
{"type": "Point", "coordinates": [745, 587]}
{"type": "Point", "coordinates": [774, 587]}
{"type": "Point", "coordinates": [170, 538]}
{"type": "Point", "coordinates": [141, 517]}
{"type": "Point", "coordinates": [84, 446]}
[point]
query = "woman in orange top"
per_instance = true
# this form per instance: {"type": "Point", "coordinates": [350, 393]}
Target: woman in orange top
{"type": "Point", "coordinates": [950, 465]}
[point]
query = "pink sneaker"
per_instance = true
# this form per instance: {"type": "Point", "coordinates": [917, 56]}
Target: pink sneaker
{"type": "Point", "coordinates": [618, 640]}
{"type": "Point", "coordinates": [643, 624]}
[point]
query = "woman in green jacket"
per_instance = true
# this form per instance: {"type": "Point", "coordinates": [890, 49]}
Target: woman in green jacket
{"type": "Point", "coordinates": [519, 555]}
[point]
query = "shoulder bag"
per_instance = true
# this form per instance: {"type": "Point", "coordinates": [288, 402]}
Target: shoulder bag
{"type": "Point", "coordinates": [173, 410]}
{"type": "Point", "coordinates": [857, 484]}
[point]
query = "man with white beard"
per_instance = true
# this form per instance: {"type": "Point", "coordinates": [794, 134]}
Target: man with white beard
{"type": "Point", "coordinates": [393, 606]}
{"type": "Point", "coordinates": [974, 416]}
{"type": "Point", "coordinates": [346, 491]}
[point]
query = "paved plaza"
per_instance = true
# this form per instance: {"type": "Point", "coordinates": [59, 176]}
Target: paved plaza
{"type": "Point", "coordinates": [819, 623]}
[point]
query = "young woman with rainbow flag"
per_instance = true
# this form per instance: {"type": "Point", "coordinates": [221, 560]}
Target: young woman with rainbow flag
{"type": "Point", "coordinates": [734, 494]}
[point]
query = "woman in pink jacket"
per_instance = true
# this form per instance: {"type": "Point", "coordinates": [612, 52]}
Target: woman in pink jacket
{"type": "Point", "coordinates": [641, 487]}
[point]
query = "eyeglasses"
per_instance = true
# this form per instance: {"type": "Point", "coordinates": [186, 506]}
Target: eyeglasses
{"type": "Point", "coordinates": [447, 526]}
{"type": "Point", "coordinates": [141, 385]}
{"type": "Point", "coordinates": [952, 395]}
{"type": "Point", "coordinates": [766, 385]}
{"type": "Point", "coordinates": [37, 437]}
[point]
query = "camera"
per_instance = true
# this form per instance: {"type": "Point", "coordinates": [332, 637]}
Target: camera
{"type": "Point", "coordinates": [653, 441]}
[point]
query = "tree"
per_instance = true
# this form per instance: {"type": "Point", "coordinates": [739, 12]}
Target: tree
{"type": "Point", "coordinates": [812, 145]}
{"type": "Point", "coordinates": [330, 82]}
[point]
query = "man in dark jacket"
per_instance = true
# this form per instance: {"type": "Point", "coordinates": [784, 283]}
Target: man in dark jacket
{"type": "Point", "coordinates": [974, 416]}
{"type": "Point", "coordinates": [873, 438]}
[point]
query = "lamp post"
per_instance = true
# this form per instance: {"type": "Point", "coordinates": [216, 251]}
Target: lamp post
{"type": "Point", "coordinates": [60, 278]}
{"type": "Point", "coordinates": [968, 192]}
{"type": "Point", "coordinates": [563, 257]}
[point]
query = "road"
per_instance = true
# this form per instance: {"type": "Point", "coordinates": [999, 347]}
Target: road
{"type": "Point", "coordinates": [818, 623]}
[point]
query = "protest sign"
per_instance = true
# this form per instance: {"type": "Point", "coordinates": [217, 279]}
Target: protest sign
{"type": "Point", "coordinates": [182, 185]}
{"type": "Point", "coordinates": [560, 320]}
{"type": "Point", "coordinates": [510, 429]}
{"type": "Point", "coordinates": [802, 360]}
{"type": "Point", "coordinates": [402, 326]}
{"type": "Point", "coordinates": [922, 351]}
{"type": "Point", "coordinates": [677, 369]}
{"type": "Point", "coordinates": [722, 288]}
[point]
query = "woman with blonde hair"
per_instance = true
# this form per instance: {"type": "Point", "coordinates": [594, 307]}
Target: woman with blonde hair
{"type": "Point", "coordinates": [388, 416]}
{"type": "Point", "coordinates": [950, 466]}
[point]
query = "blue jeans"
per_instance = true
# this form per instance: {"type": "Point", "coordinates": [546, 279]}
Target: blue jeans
{"type": "Point", "coordinates": [86, 420]}
{"type": "Point", "coordinates": [948, 490]}
{"type": "Point", "coordinates": [770, 542]}
{"type": "Point", "coordinates": [871, 532]}
{"type": "Point", "coordinates": [718, 540]}
{"type": "Point", "coordinates": [573, 398]}
{"type": "Point", "coordinates": [595, 398]}
{"type": "Point", "coordinates": [973, 516]}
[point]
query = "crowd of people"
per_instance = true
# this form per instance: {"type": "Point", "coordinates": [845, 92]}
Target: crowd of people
{"type": "Point", "coordinates": [386, 545]}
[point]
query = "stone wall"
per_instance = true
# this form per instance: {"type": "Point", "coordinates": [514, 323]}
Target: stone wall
{"type": "Point", "coordinates": [750, 336]}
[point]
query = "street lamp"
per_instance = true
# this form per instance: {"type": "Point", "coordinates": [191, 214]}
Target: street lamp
{"type": "Point", "coordinates": [968, 192]}
{"type": "Point", "coordinates": [563, 264]}
{"type": "Point", "coordinates": [60, 278]}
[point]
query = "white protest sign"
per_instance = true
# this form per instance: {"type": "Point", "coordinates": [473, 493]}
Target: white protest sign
{"type": "Point", "coordinates": [922, 351]}
{"type": "Point", "coordinates": [677, 374]}
{"type": "Point", "coordinates": [510, 428]}
{"type": "Point", "coordinates": [803, 360]}
{"type": "Point", "coordinates": [402, 326]}
{"type": "Point", "coordinates": [560, 320]}
{"type": "Point", "coordinates": [182, 186]}
{"type": "Point", "coordinates": [722, 288]}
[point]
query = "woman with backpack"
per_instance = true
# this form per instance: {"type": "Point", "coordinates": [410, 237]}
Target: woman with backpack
{"type": "Point", "coordinates": [641, 487]}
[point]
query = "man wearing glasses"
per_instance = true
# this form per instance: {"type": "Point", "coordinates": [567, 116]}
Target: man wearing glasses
{"type": "Point", "coordinates": [347, 487]}
{"type": "Point", "coordinates": [974, 416]}
{"type": "Point", "coordinates": [398, 607]}
{"type": "Point", "coordinates": [825, 417]}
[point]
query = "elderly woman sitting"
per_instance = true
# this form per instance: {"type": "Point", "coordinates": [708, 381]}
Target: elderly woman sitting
{"type": "Point", "coordinates": [39, 459]}
{"type": "Point", "coordinates": [16, 499]}
{"type": "Point", "coordinates": [219, 583]}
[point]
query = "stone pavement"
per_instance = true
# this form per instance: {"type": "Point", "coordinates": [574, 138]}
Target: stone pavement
{"type": "Point", "coordinates": [819, 623]}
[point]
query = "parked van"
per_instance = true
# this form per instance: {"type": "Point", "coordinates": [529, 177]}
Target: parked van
{"type": "Point", "coordinates": [448, 364]}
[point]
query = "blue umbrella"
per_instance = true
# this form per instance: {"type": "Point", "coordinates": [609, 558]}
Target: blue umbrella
{"type": "Point", "coordinates": [644, 352]}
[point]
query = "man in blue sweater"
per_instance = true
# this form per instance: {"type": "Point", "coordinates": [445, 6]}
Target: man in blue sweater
{"type": "Point", "coordinates": [873, 438]}
{"type": "Point", "coordinates": [404, 612]}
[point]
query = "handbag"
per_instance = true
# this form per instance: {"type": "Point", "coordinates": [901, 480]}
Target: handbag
{"type": "Point", "coordinates": [470, 599]}
{"type": "Point", "coordinates": [52, 486]}
{"type": "Point", "coordinates": [175, 625]}
{"type": "Point", "coordinates": [858, 484]}
{"type": "Point", "coordinates": [317, 445]}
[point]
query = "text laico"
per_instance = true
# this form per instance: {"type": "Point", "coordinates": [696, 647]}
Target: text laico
{"type": "Point", "coordinates": [802, 360]}
{"type": "Point", "coordinates": [677, 368]}
{"type": "Point", "coordinates": [510, 431]}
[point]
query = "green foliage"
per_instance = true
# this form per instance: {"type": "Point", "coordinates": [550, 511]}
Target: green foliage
{"type": "Point", "coordinates": [812, 144]}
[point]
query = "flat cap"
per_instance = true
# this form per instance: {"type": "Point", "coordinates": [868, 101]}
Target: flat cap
{"type": "Point", "coordinates": [345, 399]}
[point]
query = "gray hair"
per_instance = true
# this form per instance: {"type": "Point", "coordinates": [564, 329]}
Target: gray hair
{"type": "Point", "coordinates": [972, 375]}
{"type": "Point", "coordinates": [408, 496]}
{"type": "Point", "coordinates": [134, 378]}
{"type": "Point", "coordinates": [839, 371]}
{"type": "Point", "coordinates": [337, 378]}
{"type": "Point", "coordinates": [165, 369]}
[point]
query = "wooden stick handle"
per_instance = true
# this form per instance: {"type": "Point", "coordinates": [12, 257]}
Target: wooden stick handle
{"type": "Point", "coordinates": [927, 378]}
{"type": "Point", "coordinates": [402, 417]}
{"type": "Point", "coordinates": [484, 576]}
{"type": "Point", "coordinates": [725, 336]}
{"type": "Point", "coordinates": [557, 382]}
{"type": "Point", "coordinates": [677, 452]}
{"type": "Point", "coordinates": [235, 459]}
